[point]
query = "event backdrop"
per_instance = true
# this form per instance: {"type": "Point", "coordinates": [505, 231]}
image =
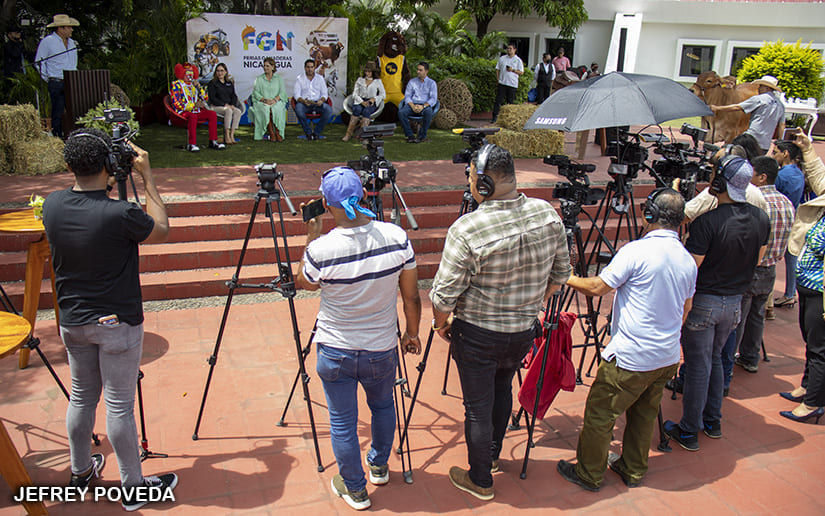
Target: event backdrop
{"type": "Point", "coordinates": [243, 41]}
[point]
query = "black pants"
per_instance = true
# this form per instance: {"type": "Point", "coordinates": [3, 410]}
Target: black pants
{"type": "Point", "coordinates": [813, 333]}
{"type": "Point", "coordinates": [57, 95]}
{"type": "Point", "coordinates": [542, 92]}
{"type": "Point", "coordinates": [487, 361]}
{"type": "Point", "coordinates": [505, 95]}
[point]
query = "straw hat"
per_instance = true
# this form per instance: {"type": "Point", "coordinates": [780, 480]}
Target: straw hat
{"type": "Point", "coordinates": [769, 81]}
{"type": "Point", "coordinates": [63, 20]}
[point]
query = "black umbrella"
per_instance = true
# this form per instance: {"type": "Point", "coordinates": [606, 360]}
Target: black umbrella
{"type": "Point", "coordinates": [615, 99]}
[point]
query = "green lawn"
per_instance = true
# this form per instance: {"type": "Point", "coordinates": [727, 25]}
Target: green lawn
{"type": "Point", "coordinates": [164, 146]}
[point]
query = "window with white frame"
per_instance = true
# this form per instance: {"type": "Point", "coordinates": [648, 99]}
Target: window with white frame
{"type": "Point", "coordinates": [737, 52]}
{"type": "Point", "coordinates": [694, 56]}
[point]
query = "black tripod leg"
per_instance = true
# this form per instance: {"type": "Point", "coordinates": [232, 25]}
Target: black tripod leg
{"type": "Point", "coordinates": [305, 352]}
{"type": "Point", "coordinates": [34, 343]}
{"type": "Point", "coordinates": [516, 418]}
{"type": "Point", "coordinates": [664, 439]}
{"type": "Point", "coordinates": [765, 353]}
{"type": "Point", "coordinates": [145, 453]}
{"type": "Point", "coordinates": [421, 367]}
{"type": "Point", "coordinates": [447, 369]}
{"type": "Point", "coordinates": [401, 417]}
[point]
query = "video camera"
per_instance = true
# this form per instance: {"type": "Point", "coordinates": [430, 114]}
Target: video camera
{"type": "Point", "coordinates": [577, 191]}
{"type": "Point", "coordinates": [677, 162]}
{"type": "Point", "coordinates": [476, 138]}
{"type": "Point", "coordinates": [627, 156]}
{"type": "Point", "coordinates": [122, 155]}
{"type": "Point", "coordinates": [376, 171]}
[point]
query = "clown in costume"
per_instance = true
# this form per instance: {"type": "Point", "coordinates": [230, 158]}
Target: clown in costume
{"type": "Point", "coordinates": [189, 101]}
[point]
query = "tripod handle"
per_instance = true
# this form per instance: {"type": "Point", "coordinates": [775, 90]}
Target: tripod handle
{"type": "Point", "coordinates": [411, 220]}
{"type": "Point", "coordinates": [289, 205]}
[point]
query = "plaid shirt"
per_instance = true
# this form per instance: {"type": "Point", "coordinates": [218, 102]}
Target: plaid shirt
{"type": "Point", "coordinates": [809, 266]}
{"type": "Point", "coordinates": [781, 212]}
{"type": "Point", "coordinates": [497, 262]}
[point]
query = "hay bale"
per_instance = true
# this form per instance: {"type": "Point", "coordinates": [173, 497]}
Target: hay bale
{"type": "Point", "coordinates": [445, 118]}
{"type": "Point", "coordinates": [18, 123]}
{"type": "Point", "coordinates": [4, 161]}
{"type": "Point", "coordinates": [531, 143]}
{"type": "Point", "coordinates": [37, 157]}
{"type": "Point", "coordinates": [117, 93]}
{"type": "Point", "coordinates": [456, 96]}
{"type": "Point", "coordinates": [514, 116]}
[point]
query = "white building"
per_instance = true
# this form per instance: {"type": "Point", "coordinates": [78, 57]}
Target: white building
{"type": "Point", "coordinates": [669, 38]}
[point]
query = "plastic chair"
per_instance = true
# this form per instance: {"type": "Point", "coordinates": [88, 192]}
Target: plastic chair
{"type": "Point", "coordinates": [348, 105]}
{"type": "Point", "coordinates": [417, 118]}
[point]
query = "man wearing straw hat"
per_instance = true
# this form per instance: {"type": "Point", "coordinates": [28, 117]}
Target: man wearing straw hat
{"type": "Point", "coordinates": [57, 53]}
{"type": "Point", "coordinates": [766, 111]}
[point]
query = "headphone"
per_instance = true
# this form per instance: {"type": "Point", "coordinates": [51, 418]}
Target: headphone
{"type": "Point", "coordinates": [652, 212]}
{"type": "Point", "coordinates": [485, 184]}
{"type": "Point", "coordinates": [720, 181]}
{"type": "Point", "coordinates": [110, 162]}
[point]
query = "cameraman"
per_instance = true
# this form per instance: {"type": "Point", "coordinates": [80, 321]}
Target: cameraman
{"type": "Point", "coordinates": [727, 243]}
{"type": "Point", "coordinates": [499, 262]}
{"type": "Point", "coordinates": [654, 278]}
{"type": "Point", "coordinates": [358, 266]}
{"type": "Point", "coordinates": [94, 243]}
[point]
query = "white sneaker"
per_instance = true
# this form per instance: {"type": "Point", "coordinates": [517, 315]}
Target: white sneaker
{"type": "Point", "coordinates": [192, 148]}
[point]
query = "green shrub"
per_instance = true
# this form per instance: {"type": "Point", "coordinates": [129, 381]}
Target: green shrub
{"type": "Point", "coordinates": [479, 75]}
{"type": "Point", "coordinates": [91, 118]}
{"type": "Point", "coordinates": [797, 68]}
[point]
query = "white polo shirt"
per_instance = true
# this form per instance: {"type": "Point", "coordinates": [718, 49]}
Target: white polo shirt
{"type": "Point", "coordinates": [653, 276]}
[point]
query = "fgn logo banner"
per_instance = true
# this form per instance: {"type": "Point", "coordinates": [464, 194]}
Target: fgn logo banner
{"type": "Point", "coordinates": [264, 40]}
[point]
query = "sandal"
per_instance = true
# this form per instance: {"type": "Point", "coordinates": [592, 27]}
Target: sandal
{"type": "Point", "coordinates": [787, 302]}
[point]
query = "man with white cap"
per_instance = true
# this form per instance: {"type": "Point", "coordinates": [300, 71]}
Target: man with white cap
{"type": "Point", "coordinates": [57, 53]}
{"type": "Point", "coordinates": [359, 266]}
{"type": "Point", "coordinates": [766, 111]}
{"type": "Point", "coordinates": [727, 243]}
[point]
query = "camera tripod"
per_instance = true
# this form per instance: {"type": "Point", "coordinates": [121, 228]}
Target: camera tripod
{"type": "Point", "coordinates": [270, 192]}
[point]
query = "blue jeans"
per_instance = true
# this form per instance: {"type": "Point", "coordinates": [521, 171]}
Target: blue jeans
{"type": "Point", "coordinates": [750, 330]}
{"type": "Point", "coordinates": [790, 274]}
{"type": "Point", "coordinates": [404, 114]}
{"type": "Point", "coordinates": [341, 370]}
{"type": "Point", "coordinates": [366, 112]}
{"type": "Point", "coordinates": [301, 112]}
{"type": "Point", "coordinates": [486, 361]}
{"type": "Point", "coordinates": [104, 358]}
{"type": "Point", "coordinates": [709, 324]}
{"type": "Point", "coordinates": [57, 95]}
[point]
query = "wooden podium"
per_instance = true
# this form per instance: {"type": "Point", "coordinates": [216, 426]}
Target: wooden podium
{"type": "Point", "coordinates": [85, 89]}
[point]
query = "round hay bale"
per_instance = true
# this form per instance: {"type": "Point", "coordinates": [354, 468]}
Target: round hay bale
{"type": "Point", "coordinates": [445, 118]}
{"type": "Point", "coordinates": [532, 143]}
{"type": "Point", "coordinates": [37, 157]}
{"type": "Point", "coordinates": [18, 123]}
{"type": "Point", "coordinates": [514, 116]}
{"type": "Point", "coordinates": [456, 96]}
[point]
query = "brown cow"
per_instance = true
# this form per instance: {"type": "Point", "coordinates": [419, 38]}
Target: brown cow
{"type": "Point", "coordinates": [717, 91]}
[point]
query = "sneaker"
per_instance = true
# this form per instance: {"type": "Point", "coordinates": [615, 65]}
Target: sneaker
{"type": "Point", "coordinates": [712, 429]}
{"type": "Point", "coordinates": [746, 366]}
{"type": "Point", "coordinates": [359, 500]}
{"type": "Point", "coordinates": [379, 475]}
{"type": "Point", "coordinates": [686, 440]}
{"type": "Point", "coordinates": [412, 139]}
{"type": "Point", "coordinates": [495, 468]}
{"type": "Point", "coordinates": [213, 144]}
{"type": "Point", "coordinates": [164, 482]}
{"type": "Point", "coordinates": [192, 148]}
{"type": "Point", "coordinates": [568, 472]}
{"type": "Point", "coordinates": [612, 459]}
{"type": "Point", "coordinates": [461, 479]}
{"type": "Point", "coordinates": [83, 480]}
{"type": "Point", "coordinates": [674, 385]}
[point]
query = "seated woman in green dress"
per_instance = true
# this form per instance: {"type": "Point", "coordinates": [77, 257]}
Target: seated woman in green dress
{"type": "Point", "coordinates": [269, 103]}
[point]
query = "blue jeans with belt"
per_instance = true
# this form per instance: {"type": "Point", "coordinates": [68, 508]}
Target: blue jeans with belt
{"type": "Point", "coordinates": [708, 325]}
{"type": "Point", "coordinates": [487, 361]}
{"type": "Point", "coordinates": [341, 370]}
{"type": "Point", "coordinates": [57, 95]}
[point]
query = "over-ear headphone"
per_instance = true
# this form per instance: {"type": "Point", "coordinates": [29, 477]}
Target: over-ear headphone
{"type": "Point", "coordinates": [110, 163]}
{"type": "Point", "coordinates": [652, 212]}
{"type": "Point", "coordinates": [720, 182]}
{"type": "Point", "coordinates": [485, 184]}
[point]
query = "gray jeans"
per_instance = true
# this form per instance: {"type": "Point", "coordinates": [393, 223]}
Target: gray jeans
{"type": "Point", "coordinates": [104, 358]}
{"type": "Point", "coordinates": [751, 327]}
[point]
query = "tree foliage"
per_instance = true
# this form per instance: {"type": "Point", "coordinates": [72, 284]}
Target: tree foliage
{"type": "Point", "coordinates": [798, 68]}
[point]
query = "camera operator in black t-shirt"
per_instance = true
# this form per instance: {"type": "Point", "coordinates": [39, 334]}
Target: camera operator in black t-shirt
{"type": "Point", "coordinates": [94, 246]}
{"type": "Point", "coordinates": [727, 242]}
